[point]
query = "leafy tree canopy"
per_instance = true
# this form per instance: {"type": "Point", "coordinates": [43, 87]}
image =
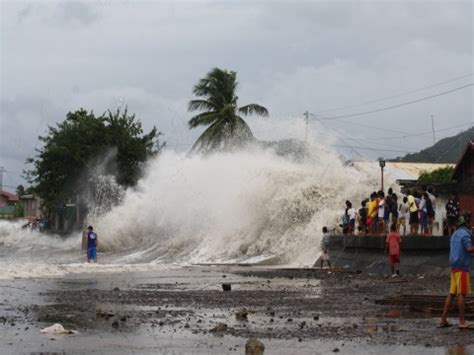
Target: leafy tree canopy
{"type": "Point", "coordinates": [218, 103]}
{"type": "Point", "coordinates": [440, 175]}
{"type": "Point", "coordinates": [20, 190]}
{"type": "Point", "coordinates": [73, 148]}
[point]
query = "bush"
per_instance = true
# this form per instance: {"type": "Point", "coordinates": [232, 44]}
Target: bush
{"type": "Point", "coordinates": [440, 176]}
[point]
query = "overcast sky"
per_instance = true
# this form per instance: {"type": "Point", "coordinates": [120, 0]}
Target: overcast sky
{"type": "Point", "coordinates": [290, 56]}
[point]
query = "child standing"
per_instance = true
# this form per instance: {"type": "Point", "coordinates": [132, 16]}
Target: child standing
{"type": "Point", "coordinates": [325, 248]}
{"type": "Point", "coordinates": [92, 244]}
{"type": "Point", "coordinates": [393, 247]}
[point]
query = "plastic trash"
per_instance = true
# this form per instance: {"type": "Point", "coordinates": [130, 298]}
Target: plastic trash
{"type": "Point", "coordinates": [57, 329]}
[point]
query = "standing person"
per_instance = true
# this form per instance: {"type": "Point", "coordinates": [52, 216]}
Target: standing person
{"type": "Point", "coordinates": [413, 214]}
{"type": "Point", "coordinates": [351, 216]}
{"type": "Point", "coordinates": [388, 207]}
{"type": "Point", "coordinates": [393, 242]}
{"type": "Point", "coordinates": [460, 260]}
{"type": "Point", "coordinates": [394, 210]}
{"type": "Point", "coordinates": [403, 211]}
{"type": "Point", "coordinates": [363, 214]}
{"type": "Point", "coordinates": [381, 212]}
{"type": "Point", "coordinates": [423, 210]}
{"type": "Point", "coordinates": [92, 243]}
{"type": "Point", "coordinates": [325, 248]}
{"type": "Point", "coordinates": [372, 213]}
{"type": "Point", "coordinates": [431, 215]}
{"type": "Point", "coordinates": [452, 213]}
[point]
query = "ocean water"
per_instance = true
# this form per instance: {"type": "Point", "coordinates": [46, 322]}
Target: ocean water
{"type": "Point", "coordinates": [247, 206]}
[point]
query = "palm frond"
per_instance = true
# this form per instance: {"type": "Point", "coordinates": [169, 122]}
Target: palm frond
{"type": "Point", "coordinates": [203, 119]}
{"type": "Point", "coordinates": [211, 137]}
{"type": "Point", "coordinates": [218, 87]}
{"type": "Point", "coordinates": [242, 130]}
{"type": "Point", "coordinates": [195, 105]}
{"type": "Point", "coordinates": [253, 109]}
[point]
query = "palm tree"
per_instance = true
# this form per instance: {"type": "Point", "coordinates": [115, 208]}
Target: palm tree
{"type": "Point", "coordinates": [218, 100]}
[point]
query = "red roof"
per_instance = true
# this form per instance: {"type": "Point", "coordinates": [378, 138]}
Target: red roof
{"type": "Point", "coordinates": [11, 197]}
{"type": "Point", "coordinates": [468, 150]}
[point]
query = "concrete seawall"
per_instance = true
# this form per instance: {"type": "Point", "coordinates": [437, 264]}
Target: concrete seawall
{"type": "Point", "coordinates": [419, 255]}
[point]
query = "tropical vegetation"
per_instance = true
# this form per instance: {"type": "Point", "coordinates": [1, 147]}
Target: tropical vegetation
{"type": "Point", "coordinates": [217, 101]}
{"type": "Point", "coordinates": [72, 150]}
{"type": "Point", "coordinates": [440, 176]}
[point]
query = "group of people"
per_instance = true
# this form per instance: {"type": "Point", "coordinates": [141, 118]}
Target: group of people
{"type": "Point", "coordinates": [460, 254]}
{"type": "Point", "coordinates": [380, 211]}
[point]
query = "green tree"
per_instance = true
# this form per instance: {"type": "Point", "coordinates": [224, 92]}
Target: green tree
{"type": "Point", "coordinates": [440, 175]}
{"type": "Point", "coordinates": [73, 148]}
{"type": "Point", "coordinates": [218, 100]}
{"type": "Point", "coordinates": [20, 190]}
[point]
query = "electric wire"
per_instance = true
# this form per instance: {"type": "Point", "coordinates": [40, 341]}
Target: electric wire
{"type": "Point", "coordinates": [398, 95]}
{"type": "Point", "coordinates": [393, 106]}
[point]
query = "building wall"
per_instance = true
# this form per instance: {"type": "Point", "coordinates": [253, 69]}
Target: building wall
{"type": "Point", "coordinates": [465, 186]}
{"type": "Point", "coordinates": [466, 200]}
{"type": "Point", "coordinates": [3, 201]}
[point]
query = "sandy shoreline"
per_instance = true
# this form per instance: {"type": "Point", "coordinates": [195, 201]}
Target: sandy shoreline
{"type": "Point", "coordinates": [175, 311]}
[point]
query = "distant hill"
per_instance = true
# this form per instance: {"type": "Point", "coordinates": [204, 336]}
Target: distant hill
{"type": "Point", "coordinates": [447, 150]}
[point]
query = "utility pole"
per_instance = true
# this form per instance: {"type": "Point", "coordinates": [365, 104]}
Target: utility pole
{"type": "Point", "coordinates": [433, 129]}
{"type": "Point", "coordinates": [2, 170]}
{"type": "Point", "coordinates": [306, 118]}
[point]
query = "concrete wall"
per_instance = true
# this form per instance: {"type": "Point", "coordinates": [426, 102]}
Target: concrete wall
{"type": "Point", "coordinates": [419, 255]}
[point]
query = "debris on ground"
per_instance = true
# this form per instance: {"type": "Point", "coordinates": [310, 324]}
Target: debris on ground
{"type": "Point", "coordinates": [242, 314]}
{"type": "Point", "coordinates": [254, 347]}
{"type": "Point", "coordinates": [57, 329]}
{"type": "Point", "coordinates": [219, 328]}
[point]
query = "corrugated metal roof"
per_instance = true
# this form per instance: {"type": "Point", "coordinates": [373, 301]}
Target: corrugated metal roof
{"type": "Point", "coordinates": [11, 197]}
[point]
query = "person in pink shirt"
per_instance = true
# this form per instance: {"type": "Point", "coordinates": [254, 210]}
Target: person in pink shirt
{"type": "Point", "coordinates": [393, 242]}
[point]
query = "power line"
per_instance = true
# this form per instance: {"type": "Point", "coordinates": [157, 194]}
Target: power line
{"type": "Point", "coordinates": [398, 95]}
{"type": "Point", "coordinates": [374, 149]}
{"type": "Point", "coordinates": [366, 125]}
{"type": "Point", "coordinates": [393, 106]}
{"type": "Point", "coordinates": [414, 134]}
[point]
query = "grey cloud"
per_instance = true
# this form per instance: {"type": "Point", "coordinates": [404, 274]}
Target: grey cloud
{"type": "Point", "coordinates": [72, 14]}
{"type": "Point", "coordinates": [290, 57]}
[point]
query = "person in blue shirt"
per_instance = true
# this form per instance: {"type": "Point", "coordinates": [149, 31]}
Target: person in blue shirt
{"type": "Point", "coordinates": [460, 259]}
{"type": "Point", "coordinates": [92, 244]}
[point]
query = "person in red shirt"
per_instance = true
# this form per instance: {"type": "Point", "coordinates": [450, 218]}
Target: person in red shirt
{"type": "Point", "coordinates": [393, 242]}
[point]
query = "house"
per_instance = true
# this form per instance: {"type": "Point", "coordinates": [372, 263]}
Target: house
{"type": "Point", "coordinates": [32, 206]}
{"type": "Point", "coordinates": [8, 202]}
{"type": "Point", "coordinates": [464, 178]}
{"type": "Point", "coordinates": [7, 199]}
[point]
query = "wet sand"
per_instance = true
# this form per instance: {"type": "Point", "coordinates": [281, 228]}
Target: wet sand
{"type": "Point", "coordinates": [185, 311]}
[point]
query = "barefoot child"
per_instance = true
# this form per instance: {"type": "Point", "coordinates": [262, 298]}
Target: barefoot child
{"type": "Point", "coordinates": [393, 247]}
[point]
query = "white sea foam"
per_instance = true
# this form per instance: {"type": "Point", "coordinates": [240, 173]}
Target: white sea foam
{"type": "Point", "coordinates": [247, 206]}
{"type": "Point", "coordinates": [20, 270]}
{"type": "Point", "coordinates": [234, 206]}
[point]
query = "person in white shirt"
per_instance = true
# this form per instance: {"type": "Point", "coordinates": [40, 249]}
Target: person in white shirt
{"type": "Point", "coordinates": [351, 216]}
{"type": "Point", "coordinates": [381, 212]}
{"type": "Point", "coordinates": [403, 215]}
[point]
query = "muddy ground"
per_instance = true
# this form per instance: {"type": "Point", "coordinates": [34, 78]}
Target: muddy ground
{"type": "Point", "coordinates": [185, 311]}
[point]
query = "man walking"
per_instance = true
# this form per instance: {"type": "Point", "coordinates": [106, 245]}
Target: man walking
{"type": "Point", "coordinates": [460, 260]}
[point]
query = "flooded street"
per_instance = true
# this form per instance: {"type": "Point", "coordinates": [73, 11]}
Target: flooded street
{"type": "Point", "coordinates": [185, 311]}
